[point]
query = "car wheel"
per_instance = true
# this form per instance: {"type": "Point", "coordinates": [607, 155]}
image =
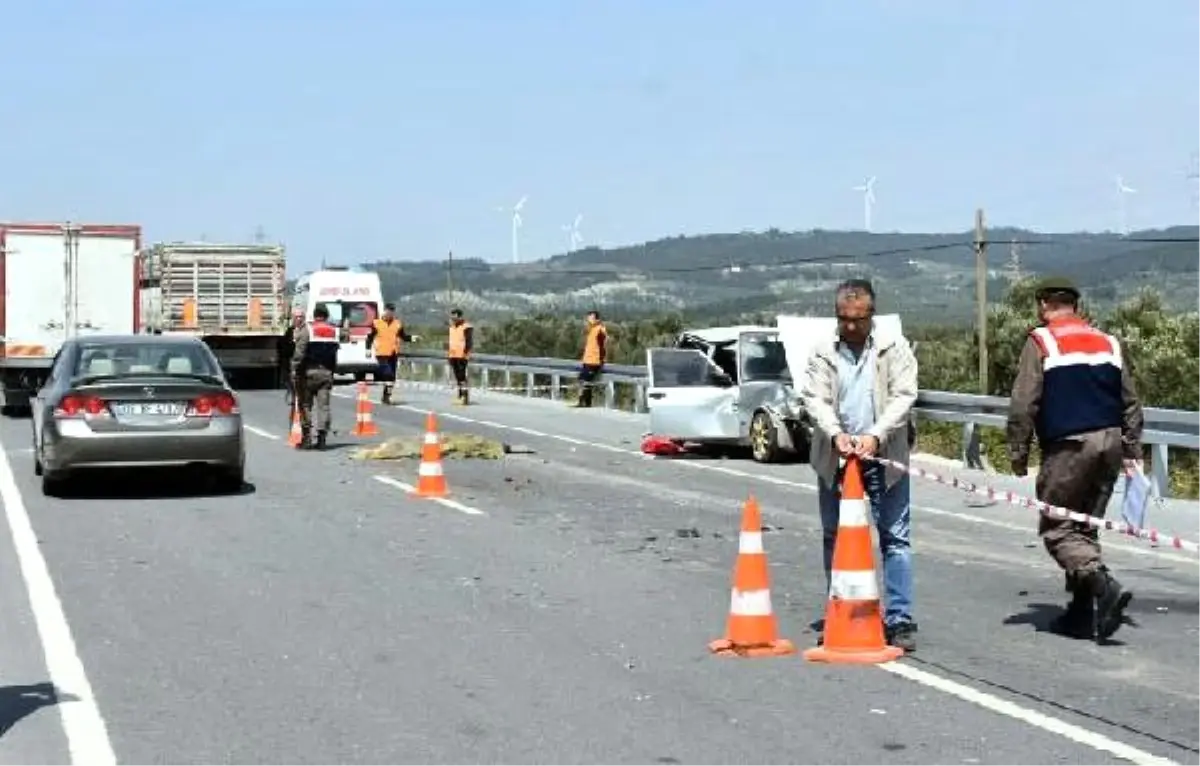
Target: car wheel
{"type": "Point", "coordinates": [53, 484]}
{"type": "Point", "coordinates": [230, 480]}
{"type": "Point", "coordinates": [764, 444]}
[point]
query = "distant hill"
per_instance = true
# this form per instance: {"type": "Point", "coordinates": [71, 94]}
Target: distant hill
{"type": "Point", "coordinates": [928, 277]}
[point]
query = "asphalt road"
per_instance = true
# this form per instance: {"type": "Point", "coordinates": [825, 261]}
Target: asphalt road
{"type": "Point", "coordinates": [558, 611]}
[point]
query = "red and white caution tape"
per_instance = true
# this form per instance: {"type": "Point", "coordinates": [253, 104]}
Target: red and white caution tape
{"type": "Point", "coordinates": [1153, 535]}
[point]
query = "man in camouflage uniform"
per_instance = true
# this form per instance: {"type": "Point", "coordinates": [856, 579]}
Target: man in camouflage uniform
{"type": "Point", "coordinates": [1074, 390]}
{"type": "Point", "coordinates": [313, 364]}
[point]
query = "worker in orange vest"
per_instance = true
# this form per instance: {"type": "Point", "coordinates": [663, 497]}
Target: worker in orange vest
{"type": "Point", "coordinates": [385, 337]}
{"type": "Point", "coordinates": [595, 349]}
{"type": "Point", "coordinates": [459, 345]}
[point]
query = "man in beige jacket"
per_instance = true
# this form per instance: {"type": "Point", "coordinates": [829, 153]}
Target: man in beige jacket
{"type": "Point", "coordinates": [859, 390]}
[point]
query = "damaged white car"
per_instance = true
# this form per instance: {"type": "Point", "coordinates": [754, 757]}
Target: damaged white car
{"type": "Point", "coordinates": [728, 387]}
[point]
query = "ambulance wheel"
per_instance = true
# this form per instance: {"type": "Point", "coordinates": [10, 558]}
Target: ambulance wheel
{"type": "Point", "coordinates": [764, 441]}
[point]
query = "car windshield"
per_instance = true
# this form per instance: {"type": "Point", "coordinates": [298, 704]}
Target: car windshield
{"type": "Point", "coordinates": [142, 358]}
{"type": "Point", "coordinates": [764, 358]}
{"type": "Point", "coordinates": [359, 313]}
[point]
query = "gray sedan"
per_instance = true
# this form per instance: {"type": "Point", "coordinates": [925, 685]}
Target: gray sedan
{"type": "Point", "coordinates": [121, 401]}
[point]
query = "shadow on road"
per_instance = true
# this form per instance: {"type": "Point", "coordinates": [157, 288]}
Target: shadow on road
{"type": "Point", "coordinates": [149, 483]}
{"type": "Point", "coordinates": [17, 702]}
{"type": "Point", "coordinates": [1042, 616]}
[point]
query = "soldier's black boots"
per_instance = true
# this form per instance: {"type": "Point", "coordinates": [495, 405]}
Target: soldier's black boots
{"type": "Point", "coordinates": [386, 398]}
{"type": "Point", "coordinates": [1079, 621]}
{"type": "Point", "coordinates": [1111, 600]}
{"type": "Point", "coordinates": [320, 440]}
{"type": "Point", "coordinates": [1097, 607]}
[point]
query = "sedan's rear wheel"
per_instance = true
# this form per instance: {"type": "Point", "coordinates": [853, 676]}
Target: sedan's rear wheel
{"type": "Point", "coordinates": [230, 480]}
{"type": "Point", "coordinates": [54, 484]}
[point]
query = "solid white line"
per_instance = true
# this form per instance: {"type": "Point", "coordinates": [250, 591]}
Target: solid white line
{"type": "Point", "coordinates": [1024, 715]}
{"type": "Point", "coordinates": [260, 432]}
{"type": "Point", "coordinates": [87, 736]}
{"type": "Point", "coordinates": [454, 504]}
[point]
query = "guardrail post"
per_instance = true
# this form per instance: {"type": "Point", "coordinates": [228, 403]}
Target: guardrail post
{"type": "Point", "coordinates": [971, 453]}
{"type": "Point", "coordinates": [483, 378]}
{"type": "Point", "coordinates": [555, 385]}
{"type": "Point", "coordinates": [610, 394]}
{"type": "Point", "coordinates": [429, 372]}
{"type": "Point", "coordinates": [639, 398]}
{"type": "Point", "coordinates": [508, 386]}
{"type": "Point", "coordinates": [1160, 477]}
{"type": "Point", "coordinates": [530, 384]}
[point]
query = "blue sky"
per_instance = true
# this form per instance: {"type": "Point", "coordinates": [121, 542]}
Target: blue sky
{"type": "Point", "coordinates": [363, 130]}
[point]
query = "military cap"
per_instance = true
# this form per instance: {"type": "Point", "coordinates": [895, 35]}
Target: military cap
{"type": "Point", "coordinates": [1051, 285]}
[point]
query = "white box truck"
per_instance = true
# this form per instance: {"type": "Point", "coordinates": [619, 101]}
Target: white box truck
{"type": "Point", "coordinates": [59, 281]}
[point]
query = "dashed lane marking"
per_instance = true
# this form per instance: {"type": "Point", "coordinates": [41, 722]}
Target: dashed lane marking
{"type": "Point", "coordinates": [86, 732]}
{"type": "Point", "coordinates": [260, 432]}
{"type": "Point", "coordinates": [454, 504]}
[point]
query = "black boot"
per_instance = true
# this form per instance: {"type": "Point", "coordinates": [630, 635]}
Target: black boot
{"type": "Point", "coordinates": [1079, 621]}
{"type": "Point", "coordinates": [1111, 601]}
{"type": "Point", "coordinates": [305, 439]}
{"type": "Point", "coordinates": [387, 395]}
{"type": "Point", "coordinates": [320, 445]}
{"type": "Point", "coordinates": [464, 395]}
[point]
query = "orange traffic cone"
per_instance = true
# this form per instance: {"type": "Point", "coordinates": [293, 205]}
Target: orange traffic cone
{"type": "Point", "coordinates": [751, 630]}
{"type": "Point", "coordinates": [431, 481]}
{"type": "Point", "coordinates": [853, 618]}
{"type": "Point", "coordinates": [297, 434]}
{"type": "Point", "coordinates": [364, 420]}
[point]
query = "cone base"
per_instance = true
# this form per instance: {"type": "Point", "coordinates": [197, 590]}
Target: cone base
{"type": "Point", "coordinates": [853, 656]}
{"type": "Point", "coordinates": [364, 431]}
{"type": "Point", "coordinates": [418, 492]}
{"type": "Point", "coordinates": [778, 648]}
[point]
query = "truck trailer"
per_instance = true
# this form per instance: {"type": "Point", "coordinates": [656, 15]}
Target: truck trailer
{"type": "Point", "coordinates": [60, 281]}
{"type": "Point", "coordinates": [230, 296]}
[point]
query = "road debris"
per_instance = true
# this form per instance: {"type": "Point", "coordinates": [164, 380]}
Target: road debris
{"type": "Point", "coordinates": [459, 446]}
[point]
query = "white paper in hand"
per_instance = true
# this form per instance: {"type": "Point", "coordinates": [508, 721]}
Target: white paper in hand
{"type": "Point", "coordinates": [1137, 497]}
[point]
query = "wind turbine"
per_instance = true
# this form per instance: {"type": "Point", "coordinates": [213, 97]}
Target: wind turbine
{"type": "Point", "coordinates": [1122, 190]}
{"type": "Point", "coordinates": [516, 225]}
{"type": "Point", "coordinates": [868, 190]}
{"type": "Point", "coordinates": [574, 238]}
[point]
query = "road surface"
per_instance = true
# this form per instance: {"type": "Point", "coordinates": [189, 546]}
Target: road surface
{"type": "Point", "coordinates": [557, 611]}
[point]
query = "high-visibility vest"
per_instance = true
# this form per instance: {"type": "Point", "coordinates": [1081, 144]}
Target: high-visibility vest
{"type": "Point", "coordinates": [591, 347]}
{"type": "Point", "coordinates": [1081, 379]}
{"type": "Point", "coordinates": [457, 346]}
{"type": "Point", "coordinates": [387, 337]}
{"type": "Point", "coordinates": [322, 346]}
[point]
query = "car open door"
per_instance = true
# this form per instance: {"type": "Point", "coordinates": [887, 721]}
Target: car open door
{"type": "Point", "coordinates": [689, 397]}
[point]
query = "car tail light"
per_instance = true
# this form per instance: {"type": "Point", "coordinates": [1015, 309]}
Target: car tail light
{"type": "Point", "coordinates": [77, 406]}
{"type": "Point", "coordinates": [215, 405]}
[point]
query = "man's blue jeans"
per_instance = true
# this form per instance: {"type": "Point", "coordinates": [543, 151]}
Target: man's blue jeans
{"type": "Point", "coordinates": [891, 510]}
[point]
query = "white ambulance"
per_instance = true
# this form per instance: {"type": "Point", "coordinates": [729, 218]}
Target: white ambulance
{"type": "Point", "coordinates": [355, 300]}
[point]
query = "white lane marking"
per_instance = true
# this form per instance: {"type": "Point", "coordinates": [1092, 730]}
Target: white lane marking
{"type": "Point", "coordinates": [87, 735]}
{"type": "Point", "coordinates": [965, 693]}
{"type": "Point", "coordinates": [1024, 715]}
{"type": "Point", "coordinates": [442, 500]}
{"type": "Point", "coordinates": [260, 432]}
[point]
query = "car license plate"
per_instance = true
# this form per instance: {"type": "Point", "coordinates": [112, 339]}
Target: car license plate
{"type": "Point", "coordinates": [148, 409]}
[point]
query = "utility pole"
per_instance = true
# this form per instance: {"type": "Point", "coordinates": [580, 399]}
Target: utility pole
{"type": "Point", "coordinates": [449, 280]}
{"type": "Point", "coordinates": [981, 298]}
{"type": "Point", "coordinates": [1014, 260]}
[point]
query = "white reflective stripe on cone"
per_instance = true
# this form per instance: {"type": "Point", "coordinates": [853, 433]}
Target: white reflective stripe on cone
{"type": "Point", "coordinates": [852, 513]}
{"type": "Point", "coordinates": [429, 469]}
{"type": "Point", "coordinates": [750, 542]}
{"type": "Point", "coordinates": [750, 603]}
{"type": "Point", "coordinates": [431, 437]}
{"type": "Point", "coordinates": [853, 586]}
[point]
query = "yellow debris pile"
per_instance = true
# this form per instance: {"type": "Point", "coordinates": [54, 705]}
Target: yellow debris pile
{"type": "Point", "coordinates": [463, 446]}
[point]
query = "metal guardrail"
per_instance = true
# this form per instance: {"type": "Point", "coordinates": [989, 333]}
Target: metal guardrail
{"type": "Point", "coordinates": [1163, 428]}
